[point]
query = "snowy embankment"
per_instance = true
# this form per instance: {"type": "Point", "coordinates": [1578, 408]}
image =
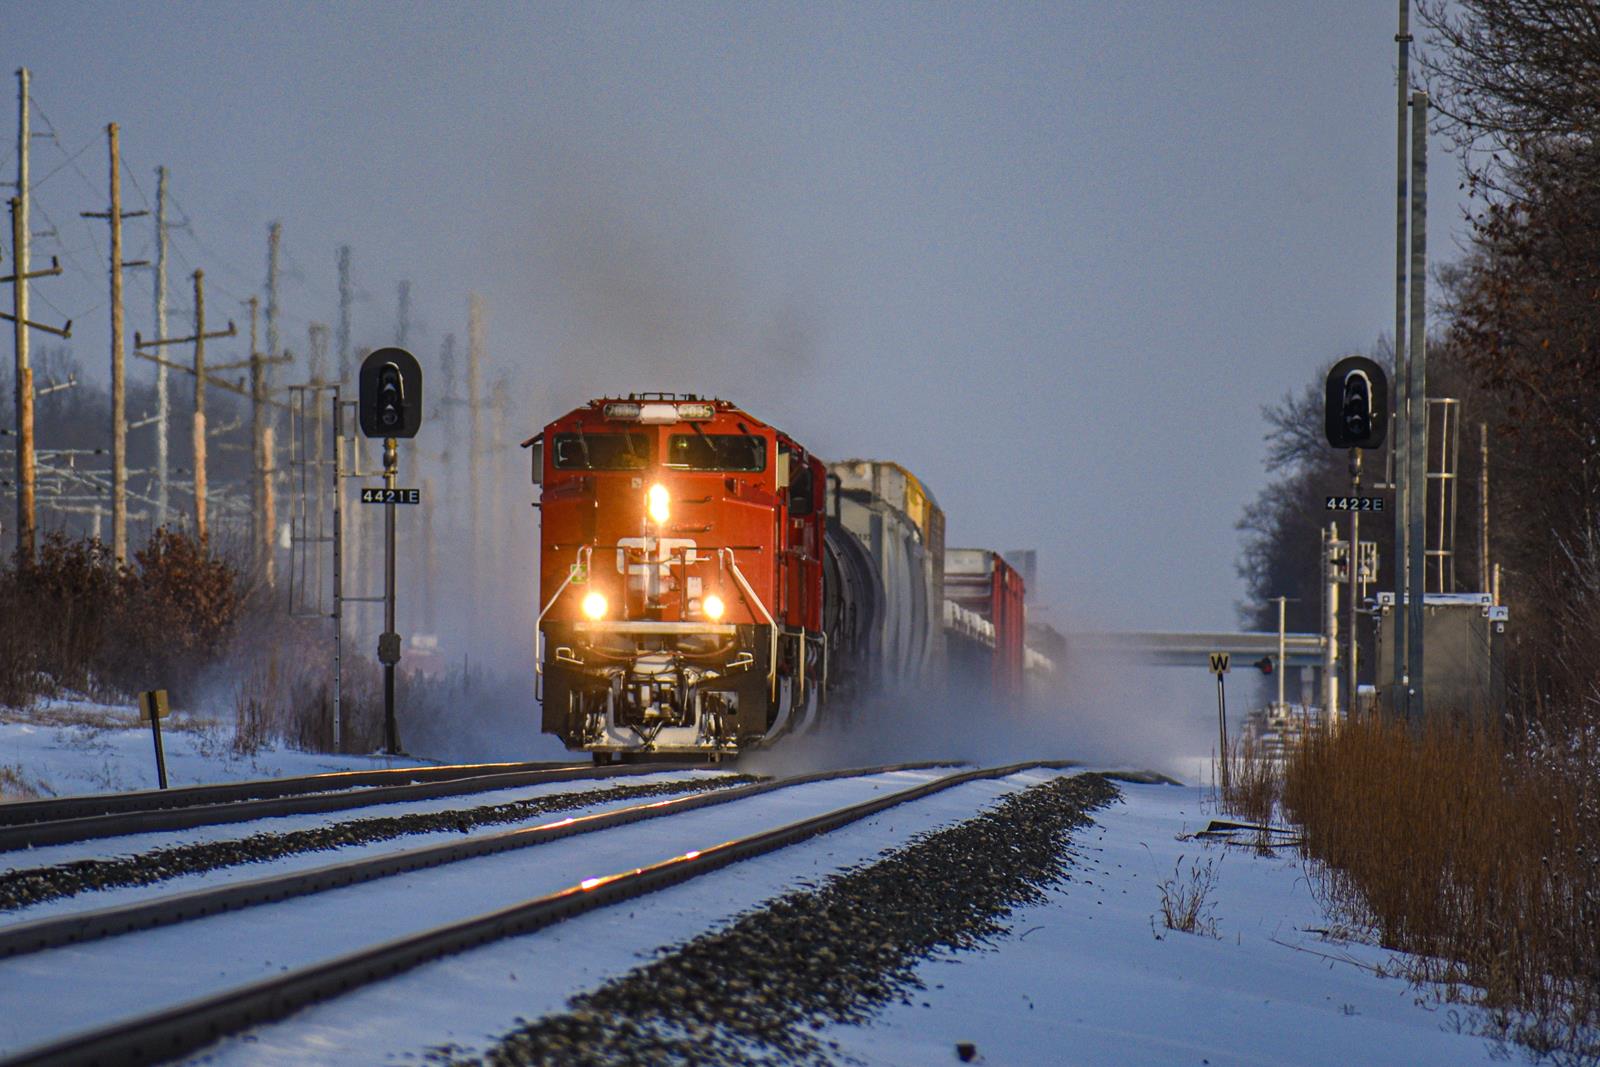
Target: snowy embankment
{"type": "Point", "coordinates": [63, 748]}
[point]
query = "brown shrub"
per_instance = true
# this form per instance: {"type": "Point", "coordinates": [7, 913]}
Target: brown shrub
{"type": "Point", "coordinates": [74, 620]}
{"type": "Point", "coordinates": [176, 612]}
{"type": "Point", "coordinates": [1478, 859]}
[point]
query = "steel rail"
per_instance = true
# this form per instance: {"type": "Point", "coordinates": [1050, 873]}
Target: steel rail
{"type": "Point", "coordinates": [55, 931]}
{"type": "Point", "coordinates": [64, 831]}
{"type": "Point", "coordinates": [53, 809]}
{"type": "Point", "coordinates": [172, 1032]}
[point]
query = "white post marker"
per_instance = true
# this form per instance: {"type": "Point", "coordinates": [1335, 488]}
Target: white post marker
{"type": "Point", "coordinates": [153, 707]}
{"type": "Point", "coordinates": [1219, 667]}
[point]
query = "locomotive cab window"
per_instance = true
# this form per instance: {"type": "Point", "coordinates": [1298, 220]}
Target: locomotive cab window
{"type": "Point", "coordinates": [717, 452]}
{"type": "Point", "coordinates": [602, 451]}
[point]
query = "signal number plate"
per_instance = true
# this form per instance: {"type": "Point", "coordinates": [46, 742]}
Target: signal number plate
{"type": "Point", "coordinates": [1353, 503]}
{"type": "Point", "coordinates": [391, 496]}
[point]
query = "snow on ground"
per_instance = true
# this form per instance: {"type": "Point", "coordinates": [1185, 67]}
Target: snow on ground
{"type": "Point", "coordinates": [1083, 978]}
{"type": "Point", "coordinates": [1093, 977]}
{"type": "Point", "coordinates": [1088, 977]}
{"type": "Point", "coordinates": [62, 748]}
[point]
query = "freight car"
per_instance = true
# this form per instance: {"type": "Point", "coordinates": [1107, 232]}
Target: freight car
{"type": "Point", "coordinates": [707, 584]}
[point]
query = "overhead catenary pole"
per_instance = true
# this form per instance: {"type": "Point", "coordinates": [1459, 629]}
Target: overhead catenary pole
{"type": "Point", "coordinates": [163, 404]}
{"type": "Point", "coordinates": [1417, 391]}
{"type": "Point", "coordinates": [1402, 559]}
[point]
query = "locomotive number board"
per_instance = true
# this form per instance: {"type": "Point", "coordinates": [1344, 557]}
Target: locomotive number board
{"type": "Point", "coordinates": [391, 496]}
{"type": "Point", "coordinates": [1353, 503]}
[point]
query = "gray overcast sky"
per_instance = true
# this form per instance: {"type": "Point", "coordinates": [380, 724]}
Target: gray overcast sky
{"type": "Point", "coordinates": [1053, 258]}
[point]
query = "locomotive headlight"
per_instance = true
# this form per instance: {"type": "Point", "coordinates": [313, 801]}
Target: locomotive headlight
{"type": "Point", "coordinates": [658, 503]}
{"type": "Point", "coordinates": [594, 605]}
{"type": "Point", "coordinates": [713, 607]}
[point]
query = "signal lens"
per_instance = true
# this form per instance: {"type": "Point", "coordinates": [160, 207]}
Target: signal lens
{"type": "Point", "coordinates": [594, 605]}
{"type": "Point", "coordinates": [658, 503]}
{"type": "Point", "coordinates": [713, 607]}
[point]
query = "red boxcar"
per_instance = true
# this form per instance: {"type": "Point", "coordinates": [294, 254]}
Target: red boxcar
{"type": "Point", "coordinates": [983, 582]}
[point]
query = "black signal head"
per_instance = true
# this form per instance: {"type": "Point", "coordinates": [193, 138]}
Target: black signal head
{"type": "Point", "coordinates": [391, 394]}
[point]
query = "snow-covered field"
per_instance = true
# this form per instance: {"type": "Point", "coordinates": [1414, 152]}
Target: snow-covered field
{"type": "Point", "coordinates": [1088, 977]}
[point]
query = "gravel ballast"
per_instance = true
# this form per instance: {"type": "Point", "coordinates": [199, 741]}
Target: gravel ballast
{"type": "Point", "coordinates": [35, 885]}
{"type": "Point", "coordinates": [754, 992]}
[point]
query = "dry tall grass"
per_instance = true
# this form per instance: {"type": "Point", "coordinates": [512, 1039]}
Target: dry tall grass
{"type": "Point", "coordinates": [1478, 858]}
{"type": "Point", "coordinates": [1254, 780]}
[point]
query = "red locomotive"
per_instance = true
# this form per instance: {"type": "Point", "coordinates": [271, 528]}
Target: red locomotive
{"type": "Point", "coordinates": [706, 583]}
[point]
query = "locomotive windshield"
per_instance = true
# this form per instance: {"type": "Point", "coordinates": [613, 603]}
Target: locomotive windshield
{"type": "Point", "coordinates": [602, 451]}
{"type": "Point", "coordinates": [717, 452]}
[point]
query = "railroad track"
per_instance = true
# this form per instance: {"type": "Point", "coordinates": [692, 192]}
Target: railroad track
{"type": "Point", "coordinates": [176, 1029]}
{"type": "Point", "coordinates": [202, 806]}
{"type": "Point", "coordinates": [55, 809]}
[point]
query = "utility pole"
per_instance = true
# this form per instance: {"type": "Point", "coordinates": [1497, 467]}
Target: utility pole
{"type": "Point", "coordinates": [27, 536]}
{"type": "Point", "coordinates": [1355, 577]}
{"type": "Point", "coordinates": [200, 374]}
{"type": "Point", "coordinates": [1417, 392]}
{"type": "Point", "coordinates": [498, 404]}
{"type": "Point", "coordinates": [403, 313]}
{"type": "Point", "coordinates": [1283, 618]}
{"type": "Point", "coordinates": [163, 408]}
{"type": "Point", "coordinates": [263, 502]}
{"type": "Point", "coordinates": [1483, 507]}
{"type": "Point", "coordinates": [119, 415]}
{"type": "Point", "coordinates": [317, 335]}
{"type": "Point", "coordinates": [19, 305]}
{"type": "Point", "coordinates": [1402, 400]}
{"type": "Point", "coordinates": [474, 433]}
{"type": "Point", "coordinates": [262, 485]}
{"type": "Point", "coordinates": [200, 530]}
{"type": "Point", "coordinates": [274, 239]}
{"type": "Point", "coordinates": [1330, 624]}
{"type": "Point", "coordinates": [345, 295]}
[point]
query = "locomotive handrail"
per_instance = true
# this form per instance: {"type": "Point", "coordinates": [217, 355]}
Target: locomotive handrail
{"type": "Point", "coordinates": [772, 627]}
{"type": "Point", "coordinates": [584, 553]}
